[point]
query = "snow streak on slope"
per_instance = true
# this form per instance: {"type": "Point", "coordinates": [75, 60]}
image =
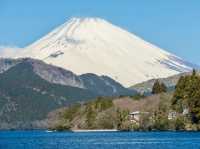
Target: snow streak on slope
{"type": "Point", "coordinates": [93, 45]}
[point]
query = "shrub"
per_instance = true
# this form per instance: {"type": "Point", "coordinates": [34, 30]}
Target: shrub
{"type": "Point", "coordinates": [107, 120]}
{"type": "Point", "coordinates": [179, 123]}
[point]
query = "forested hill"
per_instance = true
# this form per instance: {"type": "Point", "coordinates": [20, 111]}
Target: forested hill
{"type": "Point", "coordinates": [25, 97]}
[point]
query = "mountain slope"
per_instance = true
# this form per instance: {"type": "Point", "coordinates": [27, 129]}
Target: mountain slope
{"type": "Point", "coordinates": [93, 45]}
{"type": "Point", "coordinates": [25, 97]}
{"type": "Point", "coordinates": [30, 89]}
{"type": "Point", "coordinates": [100, 85]}
{"type": "Point", "coordinates": [7, 63]}
{"type": "Point", "coordinates": [170, 82]}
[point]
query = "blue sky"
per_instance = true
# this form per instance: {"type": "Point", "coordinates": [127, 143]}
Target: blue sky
{"type": "Point", "coordinates": [173, 25]}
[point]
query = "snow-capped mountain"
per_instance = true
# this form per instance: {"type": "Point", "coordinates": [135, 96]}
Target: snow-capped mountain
{"type": "Point", "coordinates": [93, 45]}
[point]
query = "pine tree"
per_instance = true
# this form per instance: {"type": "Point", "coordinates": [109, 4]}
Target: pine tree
{"type": "Point", "coordinates": [163, 87]}
{"type": "Point", "coordinates": [194, 72]}
{"type": "Point", "coordinates": [187, 95]}
{"type": "Point", "coordinates": [158, 87]}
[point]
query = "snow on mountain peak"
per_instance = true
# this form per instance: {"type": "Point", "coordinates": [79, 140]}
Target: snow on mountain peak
{"type": "Point", "coordinates": [87, 19]}
{"type": "Point", "coordinates": [93, 45]}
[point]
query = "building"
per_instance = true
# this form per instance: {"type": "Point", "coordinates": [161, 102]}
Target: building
{"type": "Point", "coordinates": [172, 115]}
{"type": "Point", "coordinates": [135, 116]}
{"type": "Point", "coordinates": [185, 111]}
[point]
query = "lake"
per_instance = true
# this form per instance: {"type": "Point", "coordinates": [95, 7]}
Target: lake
{"type": "Point", "coordinates": [99, 140]}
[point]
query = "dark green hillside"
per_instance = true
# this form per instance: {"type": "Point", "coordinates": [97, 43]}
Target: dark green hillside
{"type": "Point", "coordinates": [170, 82]}
{"type": "Point", "coordinates": [24, 96]}
{"type": "Point", "coordinates": [104, 86]}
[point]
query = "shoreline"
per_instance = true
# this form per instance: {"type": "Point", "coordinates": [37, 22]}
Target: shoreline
{"type": "Point", "coordinates": [92, 130]}
{"type": "Point", "coordinates": [95, 130]}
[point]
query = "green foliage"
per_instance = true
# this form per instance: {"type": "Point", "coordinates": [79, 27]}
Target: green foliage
{"type": "Point", "coordinates": [107, 119]}
{"type": "Point", "coordinates": [61, 125]}
{"type": "Point", "coordinates": [146, 122]}
{"type": "Point", "coordinates": [187, 95]}
{"type": "Point", "coordinates": [180, 95]}
{"type": "Point", "coordinates": [122, 118]}
{"type": "Point", "coordinates": [161, 121]}
{"type": "Point", "coordinates": [194, 73]}
{"type": "Point", "coordinates": [93, 108]}
{"type": "Point", "coordinates": [71, 112]}
{"type": "Point", "coordinates": [158, 87]}
{"type": "Point", "coordinates": [90, 117]}
{"type": "Point", "coordinates": [102, 103]}
{"type": "Point", "coordinates": [101, 113]}
{"type": "Point", "coordinates": [32, 97]}
{"type": "Point", "coordinates": [134, 127]}
{"type": "Point", "coordinates": [160, 116]}
{"type": "Point", "coordinates": [179, 123]}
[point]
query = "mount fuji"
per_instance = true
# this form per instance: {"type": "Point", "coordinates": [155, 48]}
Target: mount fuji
{"type": "Point", "coordinates": [93, 45]}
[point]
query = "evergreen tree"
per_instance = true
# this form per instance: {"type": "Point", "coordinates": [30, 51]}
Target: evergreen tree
{"type": "Point", "coordinates": [158, 87]}
{"type": "Point", "coordinates": [90, 117]}
{"type": "Point", "coordinates": [194, 72]}
{"type": "Point", "coordinates": [163, 87]}
{"type": "Point", "coordinates": [187, 95]}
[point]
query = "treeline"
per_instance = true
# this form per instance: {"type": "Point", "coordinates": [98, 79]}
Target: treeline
{"type": "Point", "coordinates": [187, 97]}
{"type": "Point", "coordinates": [98, 114]}
{"type": "Point", "coordinates": [179, 110]}
{"type": "Point", "coordinates": [182, 110]}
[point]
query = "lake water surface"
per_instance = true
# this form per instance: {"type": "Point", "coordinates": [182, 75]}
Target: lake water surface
{"type": "Point", "coordinates": [99, 140]}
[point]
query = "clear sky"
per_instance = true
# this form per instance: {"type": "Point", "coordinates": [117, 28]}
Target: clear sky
{"type": "Point", "coordinates": [173, 25]}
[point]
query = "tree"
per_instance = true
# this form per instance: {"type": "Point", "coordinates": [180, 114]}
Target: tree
{"type": "Point", "coordinates": [161, 121]}
{"type": "Point", "coordinates": [158, 87]}
{"type": "Point", "coordinates": [179, 123]}
{"type": "Point", "coordinates": [160, 116]}
{"type": "Point", "coordinates": [194, 72]}
{"type": "Point", "coordinates": [187, 95]}
{"type": "Point", "coordinates": [107, 119]}
{"type": "Point", "coordinates": [163, 87]}
{"type": "Point", "coordinates": [122, 118]}
{"type": "Point", "coordinates": [90, 117]}
{"type": "Point", "coordinates": [146, 121]}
